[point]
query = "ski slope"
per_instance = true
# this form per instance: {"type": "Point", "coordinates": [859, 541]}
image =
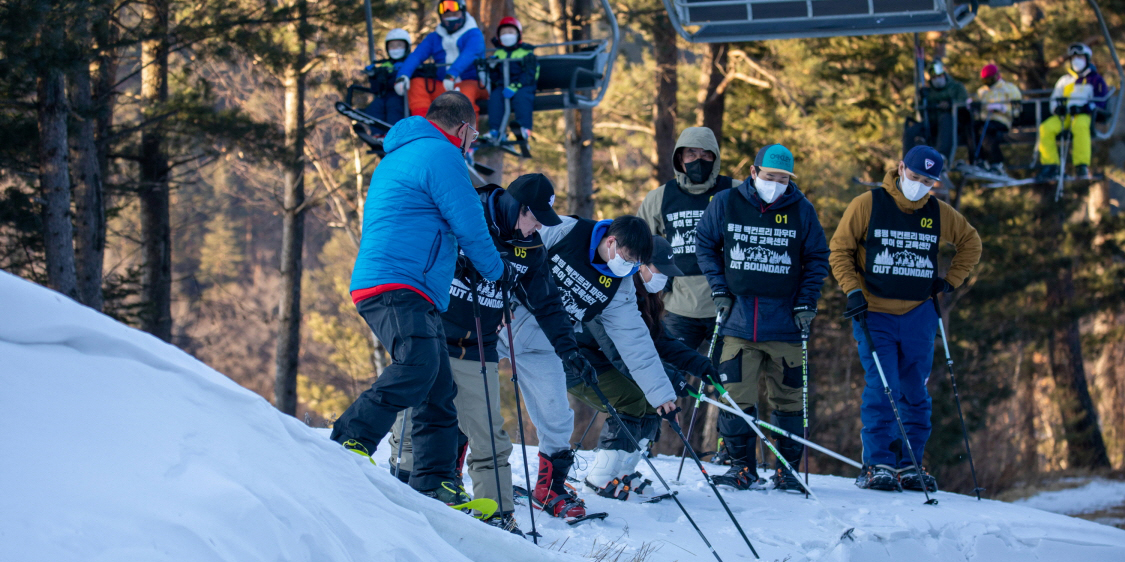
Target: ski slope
{"type": "Point", "coordinates": [116, 446]}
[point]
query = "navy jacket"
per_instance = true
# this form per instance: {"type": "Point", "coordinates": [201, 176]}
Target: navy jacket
{"type": "Point", "coordinates": [761, 318]}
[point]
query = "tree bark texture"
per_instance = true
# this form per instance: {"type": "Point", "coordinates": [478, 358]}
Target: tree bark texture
{"type": "Point", "coordinates": [287, 357]}
{"type": "Point", "coordinates": [580, 162]}
{"type": "Point", "coordinates": [712, 103]}
{"type": "Point", "coordinates": [156, 234]}
{"type": "Point", "coordinates": [54, 178]}
{"type": "Point", "coordinates": [665, 107]}
{"type": "Point", "coordinates": [89, 205]}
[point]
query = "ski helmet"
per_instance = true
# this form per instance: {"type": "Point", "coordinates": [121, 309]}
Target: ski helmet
{"type": "Point", "coordinates": [511, 22]}
{"type": "Point", "coordinates": [452, 6]}
{"type": "Point", "coordinates": [397, 34]}
{"type": "Point", "coordinates": [989, 70]}
{"type": "Point", "coordinates": [1079, 49]}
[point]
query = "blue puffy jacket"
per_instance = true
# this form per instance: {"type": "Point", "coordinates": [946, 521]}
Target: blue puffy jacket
{"type": "Point", "coordinates": [762, 318]}
{"type": "Point", "coordinates": [468, 44]}
{"type": "Point", "coordinates": [420, 207]}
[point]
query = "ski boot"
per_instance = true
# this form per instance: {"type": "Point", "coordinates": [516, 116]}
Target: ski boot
{"type": "Point", "coordinates": [1082, 172]}
{"type": "Point", "coordinates": [743, 473]}
{"type": "Point", "coordinates": [1047, 173]}
{"type": "Point", "coordinates": [358, 448]}
{"type": "Point", "coordinates": [506, 522]}
{"type": "Point", "coordinates": [551, 493]}
{"type": "Point", "coordinates": [998, 169]}
{"type": "Point", "coordinates": [454, 496]}
{"type": "Point", "coordinates": [878, 477]}
{"type": "Point", "coordinates": [791, 450]}
{"type": "Point", "coordinates": [604, 476]}
{"type": "Point", "coordinates": [912, 480]}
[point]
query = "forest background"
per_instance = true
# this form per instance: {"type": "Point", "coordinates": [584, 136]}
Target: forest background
{"type": "Point", "coordinates": [179, 166]}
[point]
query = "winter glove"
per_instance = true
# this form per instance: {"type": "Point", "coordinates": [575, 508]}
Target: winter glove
{"type": "Point", "coordinates": [448, 83]}
{"type": "Point", "coordinates": [509, 93]}
{"type": "Point", "coordinates": [510, 276]}
{"type": "Point", "coordinates": [803, 317]}
{"type": "Point", "coordinates": [679, 383]}
{"type": "Point", "coordinates": [402, 84]}
{"type": "Point", "coordinates": [576, 366]}
{"type": "Point", "coordinates": [857, 305]}
{"type": "Point", "coordinates": [723, 303]}
{"type": "Point", "coordinates": [1060, 110]}
{"type": "Point", "coordinates": [941, 286]}
{"type": "Point", "coordinates": [464, 271]}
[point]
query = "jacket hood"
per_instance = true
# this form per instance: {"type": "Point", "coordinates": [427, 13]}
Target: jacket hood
{"type": "Point", "coordinates": [699, 137]}
{"type": "Point", "coordinates": [409, 130]}
{"type": "Point", "coordinates": [792, 194]}
{"type": "Point", "coordinates": [890, 183]}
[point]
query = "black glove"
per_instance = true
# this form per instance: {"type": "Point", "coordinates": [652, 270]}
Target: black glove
{"type": "Point", "coordinates": [803, 316]}
{"type": "Point", "coordinates": [941, 286]}
{"type": "Point", "coordinates": [723, 303]}
{"type": "Point", "coordinates": [464, 271]}
{"type": "Point", "coordinates": [577, 366]}
{"type": "Point", "coordinates": [857, 305]}
{"type": "Point", "coordinates": [510, 276]}
{"type": "Point", "coordinates": [682, 386]}
{"type": "Point", "coordinates": [1060, 109]}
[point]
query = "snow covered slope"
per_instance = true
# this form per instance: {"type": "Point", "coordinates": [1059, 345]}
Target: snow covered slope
{"type": "Point", "coordinates": [117, 447]}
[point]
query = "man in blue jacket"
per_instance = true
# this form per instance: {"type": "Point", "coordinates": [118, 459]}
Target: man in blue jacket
{"type": "Point", "coordinates": [454, 46]}
{"type": "Point", "coordinates": [765, 256]}
{"type": "Point", "coordinates": [420, 209]}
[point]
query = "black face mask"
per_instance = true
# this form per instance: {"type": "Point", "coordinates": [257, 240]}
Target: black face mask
{"type": "Point", "coordinates": [698, 171]}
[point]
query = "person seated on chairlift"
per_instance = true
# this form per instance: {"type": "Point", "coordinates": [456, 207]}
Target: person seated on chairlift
{"type": "Point", "coordinates": [523, 73]}
{"type": "Point", "coordinates": [999, 104]}
{"type": "Point", "coordinates": [939, 100]}
{"type": "Point", "coordinates": [388, 103]}
{"type": "Point", "coordinates": [1078, 94]}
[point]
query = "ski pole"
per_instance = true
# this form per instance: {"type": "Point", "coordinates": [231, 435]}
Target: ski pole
{"type": "Point", "coordinates": [755, 421]}
{"type": "Point", "coordinates": [894, 407]}
{"type": "Point", "coordinates": [507, 316]}
{"type": "Point", "coordinates": [593, 419]}
{"type": "Point", "coordinates": [805, 398]}
{"type": "Point", "coordinates": [980, 141]}
{"type": "Point", "coordinates": [487, 398]}
{"type": "Point", "coordinates": [671, 418]}
{"type": "Point", "coordinates": [401, 440]}
{"type": "Point", "coordinates": [848, 530]}
{"type": "Point", "coordinates": [695, 409]}
{"type": "Point", "coordinates": [625, 429]}
{"type": "Point", "coordinates": [957, 398]}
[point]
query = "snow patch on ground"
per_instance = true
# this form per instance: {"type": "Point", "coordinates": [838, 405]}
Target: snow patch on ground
{"type": "Point", "coordinates": [1095, 496]}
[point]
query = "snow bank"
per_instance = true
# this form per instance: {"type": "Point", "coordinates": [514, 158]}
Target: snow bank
{"type": "Point", "coordinates": [1087, 497]}
{"type": "Point", "coordinates": [116, 446]}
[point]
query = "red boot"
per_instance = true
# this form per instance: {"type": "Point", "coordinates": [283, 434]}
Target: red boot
{"type": "Point", "coordinates": [550, 489]}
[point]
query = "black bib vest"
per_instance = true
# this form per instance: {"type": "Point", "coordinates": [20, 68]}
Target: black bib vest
{"type": "Point", "coordinates": [901, 248]}
{"type": "Point", "coordinates": [681, 212]}
{"type": "Point", "coordinates": [585, 291]}
{"type": "Point", "coordinates": [762, 250]}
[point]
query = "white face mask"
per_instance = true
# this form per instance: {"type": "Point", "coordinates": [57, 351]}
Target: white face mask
{"type": "Point", "coordinates": [508, 39]}
{"type": "Point", "coordinates": [1078, 64]}
{"type": "Point", "coordinates": [769, 190]}
{"type": "Point", "coordinates": [618, 265]}
{"type": "Point", "coordinates": [913, 190]}
{"type": "Point", "coordinates": [657, 283]}
{"type": "Point", "coordinates": [396, 54]}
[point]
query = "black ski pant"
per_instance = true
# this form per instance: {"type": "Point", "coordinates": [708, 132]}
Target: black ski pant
{"type": "Point", "coordinates": [419, 377]}
{"type": "Point", "coordinates": [992, 135]}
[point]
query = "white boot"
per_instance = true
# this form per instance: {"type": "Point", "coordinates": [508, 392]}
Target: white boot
{"type": "Point", "coordinates": [605, 472]}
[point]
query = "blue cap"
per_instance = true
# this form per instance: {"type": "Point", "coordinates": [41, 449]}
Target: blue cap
{"type": "Point", "coordinates": [924, 160]}
{"type": "Point", "coordinates": [775, 158]}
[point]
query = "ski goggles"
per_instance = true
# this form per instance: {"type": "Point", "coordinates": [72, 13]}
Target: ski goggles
{"type": "Point", "coordinates": [448, 6]}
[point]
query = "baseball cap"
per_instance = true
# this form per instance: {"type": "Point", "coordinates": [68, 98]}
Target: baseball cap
{"type": "Point", "coordinates": [775, 158]}
{"type": "Point", "coordinates": [536, 191]}
{"type": "Point", "coordinates": [924, 160]}
{"type": "Point", "coordinates": [663, 258]}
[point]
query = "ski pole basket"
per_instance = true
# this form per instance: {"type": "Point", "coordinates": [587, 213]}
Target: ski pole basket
{"type": "Point", "coordinates": [724, 21]}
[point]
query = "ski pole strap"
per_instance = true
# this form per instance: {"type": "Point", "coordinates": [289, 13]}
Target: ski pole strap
{"type": "Point", "coordinates": [671, 416]}
{"type": "Point", "coordinates": [717, 386]}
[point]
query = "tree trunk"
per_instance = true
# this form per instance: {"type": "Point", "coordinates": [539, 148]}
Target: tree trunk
{"type": "Point", "coordinates": [105, 96]}
{"type": "Point", "coordinates": [579, 128]}
{"type": "Point", "coordinates": [90, 210]}
{"type": "Point", "coordinates": [1081, 430]}
{"type": "Point", "coordinates": [292, 232]}
{"type": "Point", "coordinates": [156, 232]}
{"type": "Point", "coordinates": [54, 179]}
{"type": "Point", "coordinates": [712, 102]}
{"type": "Point", "coordinates": [488, 13]}
{"type": "Point", "coordinates": [665, 108]}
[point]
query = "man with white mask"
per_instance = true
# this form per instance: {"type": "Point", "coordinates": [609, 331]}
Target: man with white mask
{"type": "Point", "coordinates": [885, 255]}
{"type": "Point", "coordinates": [763, 251]}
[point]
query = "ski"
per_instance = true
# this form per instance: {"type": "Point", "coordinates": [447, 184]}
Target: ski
{"type": "Point", "coordinates": [521, 493]}
{"type": "Point", "coordinates": [361, 117]}
{"type": "Point", "coordinates": [660, 498]}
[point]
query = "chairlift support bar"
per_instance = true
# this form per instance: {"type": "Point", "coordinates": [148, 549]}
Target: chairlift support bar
{"type": "Point", "coordinates": [1112, 106]}
{"type": "Point", "coordinates": [370, 31]}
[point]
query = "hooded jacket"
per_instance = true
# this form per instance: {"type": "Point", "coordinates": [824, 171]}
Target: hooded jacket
{"type": "Point", "coordinates": [763, 318]}
{"type": "Point", "coordinates": [1080, 89]}
{"type": "Point", "coordinates": [690, 295]}
{"type": "Point", "coordinates": [420, 208]}
{"type": "Point", "coordinates": [460, 49]}
{"type": "Point", "coordinates": [849, 255]}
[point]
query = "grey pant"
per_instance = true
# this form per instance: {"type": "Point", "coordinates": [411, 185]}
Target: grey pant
{"type": "Point", "coordinates": [472, 420]}
{"type": "Point", "coordinates": [542, 382]}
